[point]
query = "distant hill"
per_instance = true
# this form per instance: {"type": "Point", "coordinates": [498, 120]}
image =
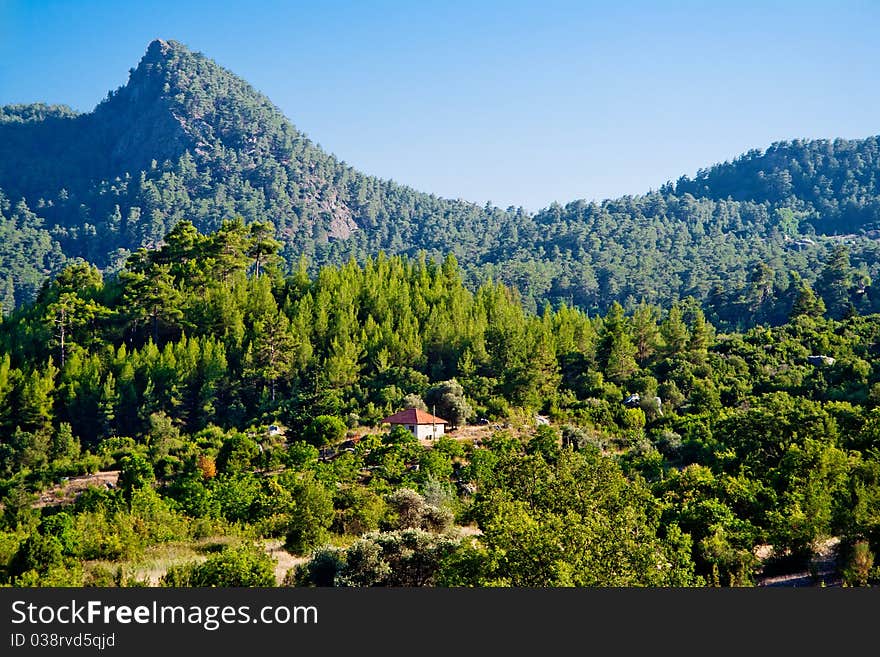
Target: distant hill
{"type": "Point", "coordinates": [186, 139]}
{"type": "Point", "coordinates": [835, 183]}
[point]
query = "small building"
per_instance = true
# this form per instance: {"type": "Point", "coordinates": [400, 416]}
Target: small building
{"type": "Point", "coordinates": [420, 423]}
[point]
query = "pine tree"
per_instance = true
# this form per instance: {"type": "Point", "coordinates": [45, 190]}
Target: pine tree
{"type": "Point", "coordinates": [68, 313]}
{"type": "Point", "coordinates": [9, 378]}
{"type": "Point", "coordinates": [645, 332]}
{"type": "Point", "coordinates": [37, 400]}
{"type": "Point", "coordinates": [616, 351]}
{"type": "Point", "coordinates": [228, 247]}
{"type": "Point", "coordinates": [760, 292]}
{"type": "Point", "coordinates": [152, 297]}
{"type": "Point", "coordinates": [262, 244]}
{"type": "Point", "coordinates": [806, 303]}
{"type": "Point", "coordinates": [700, 338]}
{"type": "Point", "coordinates": [674, 332]}
{"type": "Point", "coordinates": [835, 282]}
{"type": "Point", "coordinates": [64, 445]}
{"type": "Point", "coordinates": [271, 352]}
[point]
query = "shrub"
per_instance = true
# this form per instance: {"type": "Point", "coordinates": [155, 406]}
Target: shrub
{"type": "Point", "coordinates": [239, 566]}
{"type": "Point", "coordinates": [321, 570]}
{"type": "Point", "coordinates": [358, 510]}
{"type": "Point", "coordinates": [859, 565]}
{"type": "Point", "coordinates": [325, 430]}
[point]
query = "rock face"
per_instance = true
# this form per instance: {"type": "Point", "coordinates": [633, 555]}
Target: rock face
{"type": "Point", "coordinates": [821, 360]}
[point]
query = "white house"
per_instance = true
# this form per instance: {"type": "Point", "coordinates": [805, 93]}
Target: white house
{"type": "Point", "coordinates": [420, 423]}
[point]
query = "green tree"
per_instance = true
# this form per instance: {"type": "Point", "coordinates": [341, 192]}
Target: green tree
{"type": "Point", "coordinates": [36, 399]}
{"type": "Point", "coordinates": [358, 510]}
{"type": "Point", "coordinates": [448, 401]}
{"type": "Point", "coordinates": [700, 338]}
{"type": "Point", "coordinates": [674, 333]}
{"type": "Point", "coordinates": [835, 282]}
{"type": "Point", "coordinates": [64, 446]}
{"type": "Point", "coordinates": [151, 295]}
{"type": "Point", "coordinates": [325, 430]}
{"type": "Point", "coordinates": [576, 522]}
{"type": "Point", "coordinates": [262, 244]}
{"type": "Point", "coordinates": [409, 557]}
{"type": "Point", "coordinates": [39, 553]}
{"type": "Point", "coordinates": [67, 312]}
{"type": "Point", "coordinates": [229, 248]}
{"type": "Point", "coordinates": [645, 332]}
{"type": "Point", "coordinates": [616, 352]}
{"type": "Point", "coordinates": [270, 356]}
{"type": "Point", "coordinates": [135, 473]}
{"type": "Point", "coordinates": [237, 454]}
{"type": "Point", "coordinates": [806, 303]}
{"type": "Point", "coordinates": [312, 514]}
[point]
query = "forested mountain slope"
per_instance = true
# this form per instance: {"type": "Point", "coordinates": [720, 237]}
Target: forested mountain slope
{"type": "Point", "coordinates": [186, 139]}
{"type": "Point", "coordinates": [835, 183]}
{"type": "Point", "coordinates": [28, 254]}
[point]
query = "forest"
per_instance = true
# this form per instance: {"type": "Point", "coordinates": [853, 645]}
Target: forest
{"type": "Point", "coordinates": [185, 139]}
{"type": "Point", "coordinates": [241, 403]}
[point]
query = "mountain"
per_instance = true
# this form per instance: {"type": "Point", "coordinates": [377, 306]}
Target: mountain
{"type": "Point", "coordinates": [186, 139]}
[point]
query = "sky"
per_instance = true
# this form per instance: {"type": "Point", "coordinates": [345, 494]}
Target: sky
{"type": "Point", "coordinates": [511, 103]}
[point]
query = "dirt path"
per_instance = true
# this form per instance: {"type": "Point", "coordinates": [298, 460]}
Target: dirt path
{"type": "Point", "coordinates": [285, 560]}
{"type": "Point", "coordinates": [67, 491]}
{"type": "Point", "coordinates": [822, 570]}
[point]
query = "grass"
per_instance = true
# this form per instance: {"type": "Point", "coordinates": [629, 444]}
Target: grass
{"type": "Point", "coordinates": [148, 569]}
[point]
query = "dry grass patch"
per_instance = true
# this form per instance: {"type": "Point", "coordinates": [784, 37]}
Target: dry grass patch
{"type": "Point", "coordinates": [148, 569]}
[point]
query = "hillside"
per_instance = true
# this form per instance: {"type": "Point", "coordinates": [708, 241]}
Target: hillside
{"type": "Point", "coordinates": [834, 184]}
{"type": "Point", "coordinates": [225, 405]}
{"type": "Point", "coordinates": [186, 139]}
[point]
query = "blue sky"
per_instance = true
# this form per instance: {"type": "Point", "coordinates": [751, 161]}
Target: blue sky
{"type": "Point", "coordinates": [516, 103]}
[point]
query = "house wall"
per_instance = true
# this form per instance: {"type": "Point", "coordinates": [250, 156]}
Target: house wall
{"type": "Point", "coordinates": [424, 431]}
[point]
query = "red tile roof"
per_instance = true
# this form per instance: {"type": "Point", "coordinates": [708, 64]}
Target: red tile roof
{"type": "Point", "coordinates": [414, 416]}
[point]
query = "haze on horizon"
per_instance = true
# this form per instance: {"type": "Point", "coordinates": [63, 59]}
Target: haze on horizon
{"type": "Point", "coordinates": [518, 104]}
